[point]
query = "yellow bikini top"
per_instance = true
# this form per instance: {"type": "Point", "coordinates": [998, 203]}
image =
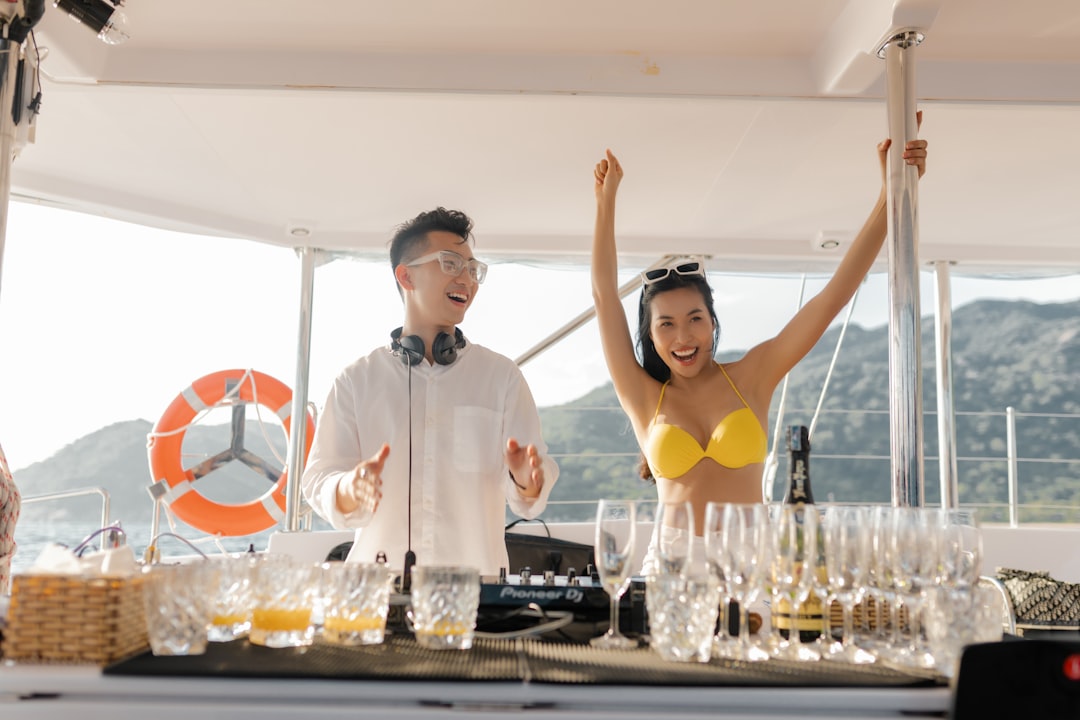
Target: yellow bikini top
{"type": "Point", "coordinates": [738, 440]}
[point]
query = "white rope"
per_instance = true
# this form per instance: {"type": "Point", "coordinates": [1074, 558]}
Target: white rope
{"type": "Point", "coordinates": [768, 476]}
{"type": "Point", "coordinates": [204, 411]}
{"type": "Point", "coordinates": [234, 394]}
{"type": "Point", "coordinates": [832, 363]}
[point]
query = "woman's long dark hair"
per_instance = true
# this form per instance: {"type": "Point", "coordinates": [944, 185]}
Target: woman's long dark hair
{"type": "Point", "coordinates": [646, 349]}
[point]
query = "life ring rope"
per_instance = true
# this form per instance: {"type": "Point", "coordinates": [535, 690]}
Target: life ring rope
{"type": "Point", "coordinates": [174, 485]}
{"type": "Point", "coordinates": [202, 410]}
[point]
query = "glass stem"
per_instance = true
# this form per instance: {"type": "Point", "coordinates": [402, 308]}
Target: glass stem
{"type": "Point", "coordinates": [614, 629]}
{"type": "Point", "coordinates": [725, 618]}
{"type": "Point", "coordinates": [795, 634]}
{"type": "Point", "coordinates": [744, 624]}
{"type": "Point", "coordinates": [848, 609]}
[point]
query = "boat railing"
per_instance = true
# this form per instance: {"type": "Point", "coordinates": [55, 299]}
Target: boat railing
{"type": "Point", "coordinates": [74, 493]}
{"type": "Point", "coordinates": [1007, 507]}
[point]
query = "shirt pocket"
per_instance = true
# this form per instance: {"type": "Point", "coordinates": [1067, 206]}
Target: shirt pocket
{"type": "Point", "coordinates": [478, 442]}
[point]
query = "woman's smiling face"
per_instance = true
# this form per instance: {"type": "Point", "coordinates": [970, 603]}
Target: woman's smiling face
{"type": "Point", "coordinates": [682, 330]}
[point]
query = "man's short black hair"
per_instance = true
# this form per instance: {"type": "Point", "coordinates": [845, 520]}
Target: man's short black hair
{"type": "Point", "coordinates": [410, 239]}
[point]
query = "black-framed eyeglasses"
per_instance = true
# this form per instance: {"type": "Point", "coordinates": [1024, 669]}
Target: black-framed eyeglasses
{"type": "Point", "coordinates": [452, 264]}
{"type": "Point", "coordinates": [692, 266]}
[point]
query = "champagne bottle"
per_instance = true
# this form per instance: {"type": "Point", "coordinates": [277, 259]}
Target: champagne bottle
{"type": "Point", "coordinates": [798, 446]}
{"type": "Point", "coordinates": [808, 616]}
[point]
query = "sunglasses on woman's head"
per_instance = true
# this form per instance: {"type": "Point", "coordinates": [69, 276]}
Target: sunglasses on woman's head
{"type": "Point", "coordinates": [688, 267]}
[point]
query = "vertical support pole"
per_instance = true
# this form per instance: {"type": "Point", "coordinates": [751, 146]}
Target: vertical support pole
{"type": "Point", "coordinates": [1010, 441]}
{"type": "Point", "coordinates": [9, 67]}
{"type": "Point", "coordinates": [905, 376]}
{"type": "Point", "coordinates": [946, 419]}
{"type": "Point", "coordinates": [298, 425]}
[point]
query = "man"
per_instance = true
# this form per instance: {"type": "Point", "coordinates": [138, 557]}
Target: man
{"type": "Point", "coordinates": [422, 442]}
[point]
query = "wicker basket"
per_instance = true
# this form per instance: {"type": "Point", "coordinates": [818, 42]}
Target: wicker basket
{"type": "Point", "coordinates": [72, 619]}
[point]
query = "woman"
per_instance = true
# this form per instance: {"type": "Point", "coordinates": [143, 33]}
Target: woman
{"type": "Point", "coordinates": [700, 424]}
{"type": "Point", "coordinates": [9, 513]}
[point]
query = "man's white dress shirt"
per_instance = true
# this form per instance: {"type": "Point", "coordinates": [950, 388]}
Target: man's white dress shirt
{"type": "Point", "coordinates": [462, 416]}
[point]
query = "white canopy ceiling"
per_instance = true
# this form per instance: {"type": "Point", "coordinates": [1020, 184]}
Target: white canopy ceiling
{"type": "Point", "coordinates": [747, 129]}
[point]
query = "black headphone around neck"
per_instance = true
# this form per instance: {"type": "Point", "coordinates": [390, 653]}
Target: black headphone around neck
{"type": "Point", "coordinates": [411, 347]}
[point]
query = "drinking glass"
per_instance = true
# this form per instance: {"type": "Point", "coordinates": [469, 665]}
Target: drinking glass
{"type": "Point", "coordinates": [961, 548]}
{"type": "Point", "coordinates": [445, 600]}
{"type": "Point", "coordinates": [881, 586]}
{"type": "Point", "coordinates": [232, 596]}
{"type": "Point", "coordinates": [794, 567]}
{"type": "Point", "coordinates": [820, 590]}
{"type": "Point", "coordinates": [916, 542]}
{"type": "Point", "coordinates": [956, 617]}
{"type": "Point", "coordinates": [713, 534]}
{"type": "Point", "coordinates": [615, 525]}
{"type": "Point", "coordinates": [743, 548]}
{"type": "Point", "coordinates": [672, 548]}
{"type": "Point", "coordinates": [357, 601]}
{"type": "Point", "coordinates": [847, 560]}
{"type": "Point", "coordinates": [178, 607]}
{"type": "Point", "coordinates": [682, 616]}
{"type": "Point", "coordinates": [285, 594]}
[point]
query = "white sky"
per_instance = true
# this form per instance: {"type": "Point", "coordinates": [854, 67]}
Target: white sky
{"type": "Point", "coordinates": [102, 321]}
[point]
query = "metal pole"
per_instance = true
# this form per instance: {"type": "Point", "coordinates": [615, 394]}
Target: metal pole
{"type": "Point", "coordinates": [298, 424]}
{"type": "Point", "coordinates": [1010, 441]}
{"type": "Point", "coordinates": [905, 376]}
{"type": "Point", "coordinates": [9, 60]}
{"type": "Point", "coordinates": [946, 420]}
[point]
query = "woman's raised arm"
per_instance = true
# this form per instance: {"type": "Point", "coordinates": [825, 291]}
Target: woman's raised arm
{"type": "Point", "coordinates": [626, 374]}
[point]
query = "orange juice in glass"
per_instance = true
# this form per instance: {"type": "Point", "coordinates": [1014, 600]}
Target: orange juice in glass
{"type": "Point", "coordinates": [285, 593]}
{"type": "Point", "coordinates": [356, 602]}
{"type": "Point", "coordinates": [232, 601]}
{"type": "Point", "coordinates": [444, 604]}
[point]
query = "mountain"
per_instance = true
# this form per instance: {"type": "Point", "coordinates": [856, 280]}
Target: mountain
{"type": "Point", "coordinates": [1005, 354]}
{"type": "Point", "coordinates": [115, 459]}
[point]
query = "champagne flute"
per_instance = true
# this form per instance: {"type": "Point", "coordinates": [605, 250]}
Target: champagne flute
{"type": "Point", "coordinates": [794, 565]}
{"type": "Point", "coordinates": [961, 549]}
{"type": "Point", "coordinates": [743, 548]}
{"type": "Point", "coordinates": [673, 535]}
{"type": "Point", "coordinates": [916, 542]}
{"type": "Point", "coordinates": [615, 525]}
{"type": "Point", "coordinates": [847, 560]}
{"type": "Point", "coordinates": [715, 549]}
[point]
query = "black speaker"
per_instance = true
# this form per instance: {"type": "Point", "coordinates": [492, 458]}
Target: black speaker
{"type": "Point", "coordinates": [411, 347]}
{"type": "Point", "coordinates": [1019, 678]}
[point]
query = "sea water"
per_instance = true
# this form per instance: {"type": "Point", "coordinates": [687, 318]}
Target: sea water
{"type": "Point", "coordinates": [32, 536]}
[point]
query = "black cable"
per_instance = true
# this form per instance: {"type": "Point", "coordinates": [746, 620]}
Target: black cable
{"type": "Point", "coordinates": [410, 556]}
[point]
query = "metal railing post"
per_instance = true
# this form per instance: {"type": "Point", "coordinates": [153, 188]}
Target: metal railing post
{"type": "Point", "coordinates": [1010, 441]}
{"type": "Point", "coordinates": [106, 503]}
{"type": "Point", "coordinates": [946, 420]}
{"type": "Point", "coordinates": [298, 424]}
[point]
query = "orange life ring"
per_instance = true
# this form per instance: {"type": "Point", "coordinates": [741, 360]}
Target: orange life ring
{"type": "Point", "coordinates": [167, 438]}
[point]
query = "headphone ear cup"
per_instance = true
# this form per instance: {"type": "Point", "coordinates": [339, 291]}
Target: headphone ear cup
{"type": "Point", "coordinates": [412, 350]}
{"type": "Point", "coordinates": [445, 347]}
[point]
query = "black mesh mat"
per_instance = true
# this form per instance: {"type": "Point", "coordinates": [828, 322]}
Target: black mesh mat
{"type": "Point", "coordinates": [581, 664]}
{"type": "Point", "coordinates": [400, 658]}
